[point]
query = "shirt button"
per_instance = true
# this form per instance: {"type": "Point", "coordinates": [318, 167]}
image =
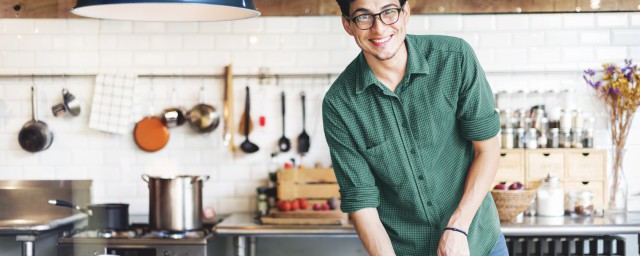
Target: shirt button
{"type": "Point", "coordinates": [413, 151]}
{"type": "Point", "coordinates": [421, 177]}
{"type": "Point", "coordinates": [404, 124]}
{"type": "Point", "coordinates": [429, 203]}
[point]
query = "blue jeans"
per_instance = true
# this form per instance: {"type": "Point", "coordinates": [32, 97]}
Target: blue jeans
{"type": "Point", "coordinates": [501, 247]}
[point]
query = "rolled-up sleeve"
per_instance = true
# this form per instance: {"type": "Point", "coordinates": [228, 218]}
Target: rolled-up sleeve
{"type": "Point", "coordinates": [476, 113]}
{"type": "Point", "coordinates": [357, 184]}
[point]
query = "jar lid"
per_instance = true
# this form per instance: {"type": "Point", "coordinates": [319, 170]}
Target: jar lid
{"type": "Point", "coordinates": [552, 178]}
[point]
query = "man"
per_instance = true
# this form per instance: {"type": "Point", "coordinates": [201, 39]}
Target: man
{"type": "Point", "coordinates": [412, 131]}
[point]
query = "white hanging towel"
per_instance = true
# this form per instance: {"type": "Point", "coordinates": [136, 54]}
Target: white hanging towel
{"type": "Point", "coordinates": [111, 109]}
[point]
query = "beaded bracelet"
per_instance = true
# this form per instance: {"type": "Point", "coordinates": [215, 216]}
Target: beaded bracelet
{"type": "Point", "coordinates": [457, 230]}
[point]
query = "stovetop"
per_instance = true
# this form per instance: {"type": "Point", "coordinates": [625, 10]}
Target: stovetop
{"type": "Point", "coordinates": [140, 233]}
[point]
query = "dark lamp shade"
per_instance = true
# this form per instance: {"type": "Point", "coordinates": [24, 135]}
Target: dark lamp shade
{"type": "Point", "coordinates": [166, 10]}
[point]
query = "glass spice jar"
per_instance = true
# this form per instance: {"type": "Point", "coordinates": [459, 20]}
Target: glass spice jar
{"type": "Point", "coordinates": [520, 138]}
{"type": "Point", "coordinates": [542, 139]}
{"type": "Point", "coordinates": [581, 203]}
{"type": "Point", "coordinates": [507, 138]}
{"type": "Point", "coordinates": [554, 138]}
{"type": "Point", "coordinates": [565, 138]}
{"type": "Point", "coordinates": [531, 139]}
{"type": "Point", "coordinates": [587, 138]}
{"type": "Point", "coordinates": [576, 138]}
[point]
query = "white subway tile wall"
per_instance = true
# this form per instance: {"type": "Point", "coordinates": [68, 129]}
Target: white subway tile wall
{"type": "Point", "coordinates": [538, 42]}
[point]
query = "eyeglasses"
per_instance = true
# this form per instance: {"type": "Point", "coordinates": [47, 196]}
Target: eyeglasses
{"type": "Point", "coordinates": [388, 17]}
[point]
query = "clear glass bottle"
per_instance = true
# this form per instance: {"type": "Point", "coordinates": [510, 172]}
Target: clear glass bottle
{"type": "Point", "coordinates": [508, 138]}
{"type": "Point", "coordinates": [520, 115]}
{"type": "Point", "coordinates": [503, 100]}
{"type": "Point", "coordinates": [566, 120]}
{"type": "Point", "coordinates": [505, 118]}
{"type": "Point", "coordinates": [519, 99]}
{"type": "Point", "coordinates": [550, 197]}
{"type": "Point", "coordinates": [577, 119]}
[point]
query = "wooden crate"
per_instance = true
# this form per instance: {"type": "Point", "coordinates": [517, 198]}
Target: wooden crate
{"type": "Point", "coordinates": [316, 185]}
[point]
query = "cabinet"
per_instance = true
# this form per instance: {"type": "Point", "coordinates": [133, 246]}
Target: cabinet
{"type": "Point", "coordinates": [579, 169]}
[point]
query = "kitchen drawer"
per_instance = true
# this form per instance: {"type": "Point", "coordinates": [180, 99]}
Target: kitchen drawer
{"type": "Point", "coordinates": [510, 166]}
{"type": "Point", "coordinates": [586, 165]}
{"type": "Point", "coordinates": [597, 187]}
{"type": "Point", "coordinates": [542, 162]}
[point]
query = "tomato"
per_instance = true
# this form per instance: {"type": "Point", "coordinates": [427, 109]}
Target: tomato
{"type": "Point", "coordinates": [303, 203]}
{"type": "Point", "coordinates": [295, 205]}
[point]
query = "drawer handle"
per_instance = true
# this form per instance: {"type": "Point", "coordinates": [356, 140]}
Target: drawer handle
{"type": "Point", "coordinates": [585, 154]}
{"type": "Point", "coordinates": [585, 183]}
{"type": "Point", "coordinates": [546, 154]}
{"type": "Point", "coordinates": [503, 154]}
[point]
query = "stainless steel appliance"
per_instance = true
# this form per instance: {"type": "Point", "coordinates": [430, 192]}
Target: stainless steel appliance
{"type": "Point", "coordinates": [139, 240]}
{"type": "Point", "coordinates": [175, 204]}
{"type": "Point", "coordinates": [26, 215]}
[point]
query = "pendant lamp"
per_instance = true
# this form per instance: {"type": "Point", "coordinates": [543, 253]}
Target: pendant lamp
{"type": "Point", "coordinates": [166, 10]}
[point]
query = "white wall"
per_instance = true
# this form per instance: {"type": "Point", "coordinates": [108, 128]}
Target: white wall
{"type": "Point", "coordinates": [540, 42]}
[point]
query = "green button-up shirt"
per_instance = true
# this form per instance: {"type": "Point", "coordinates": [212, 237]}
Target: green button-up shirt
{"type": "Point", "coordinates": [407, 152]}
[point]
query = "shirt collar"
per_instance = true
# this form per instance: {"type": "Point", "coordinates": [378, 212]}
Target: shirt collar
{"type": "Point", "coordinates": [416, 64]}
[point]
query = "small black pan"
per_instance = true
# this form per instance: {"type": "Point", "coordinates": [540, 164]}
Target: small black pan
{"type": "Point", "coordinates": [35, 135]}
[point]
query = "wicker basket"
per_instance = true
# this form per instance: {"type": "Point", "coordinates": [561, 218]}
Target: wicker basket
{"type": "Point", "coordinates": [510, 203]}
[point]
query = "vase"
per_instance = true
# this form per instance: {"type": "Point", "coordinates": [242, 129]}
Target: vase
{"type": "Point", "coordinates": [618, 187]}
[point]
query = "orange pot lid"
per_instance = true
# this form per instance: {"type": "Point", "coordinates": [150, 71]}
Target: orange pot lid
{"type": "Point", "coordinates": [151, 134]}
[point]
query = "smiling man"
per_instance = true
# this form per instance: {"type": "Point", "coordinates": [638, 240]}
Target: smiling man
{"type": "Point", "coordinates": [412, 131]}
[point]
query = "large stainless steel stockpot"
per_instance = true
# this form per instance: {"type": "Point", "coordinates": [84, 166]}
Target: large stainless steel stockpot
{"type": "Point", "coordinates": [175, 203]}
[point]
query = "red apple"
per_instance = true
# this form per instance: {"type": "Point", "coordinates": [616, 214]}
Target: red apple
{"type": "Point", "coordinates": [325, 207]}
{"type": "Point", "coordinates": [501, 186]}
{"type": "Point", "coordinates": [516, 186]}
{"type": "Point", "coordinates": [317, 207]}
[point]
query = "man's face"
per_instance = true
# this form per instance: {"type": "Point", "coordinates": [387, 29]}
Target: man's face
{"type": "Point", "coordinates": [381, 41]}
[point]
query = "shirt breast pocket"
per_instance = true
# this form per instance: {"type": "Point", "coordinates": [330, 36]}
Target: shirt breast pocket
{"type": "Point", "coordinates": [385, 165]}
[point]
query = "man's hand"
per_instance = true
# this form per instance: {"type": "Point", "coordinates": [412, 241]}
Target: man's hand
{"type": "Point", "coordinates": [453, 244]}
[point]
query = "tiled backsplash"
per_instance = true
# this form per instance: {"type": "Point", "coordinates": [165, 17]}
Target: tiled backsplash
{"type": "Point", "coordinates": [507, 46]}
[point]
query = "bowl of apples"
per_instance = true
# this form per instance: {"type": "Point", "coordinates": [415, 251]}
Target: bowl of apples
{"type": "Point", "coordinates": [512, 199]}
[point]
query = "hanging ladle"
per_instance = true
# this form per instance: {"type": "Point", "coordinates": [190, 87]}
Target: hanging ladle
{"type": "Point", "coordinates": [303, 139]}
{"type": "Point", "coordinates": [247, 146]}
{"type": "Point", "coordinates": [283, 144]}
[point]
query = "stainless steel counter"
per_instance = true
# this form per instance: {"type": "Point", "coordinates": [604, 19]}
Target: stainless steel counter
{"type": "Point", "coordinates": [244, 228]}
{"type": "Point", "coordinates": [25, 227]}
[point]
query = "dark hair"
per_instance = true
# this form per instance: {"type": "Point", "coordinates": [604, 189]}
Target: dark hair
{"type": "Point", "coordinates": [344, 6]}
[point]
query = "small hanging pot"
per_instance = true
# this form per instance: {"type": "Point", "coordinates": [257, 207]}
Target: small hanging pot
{"type": "Point", "coordinates": [69, 104]}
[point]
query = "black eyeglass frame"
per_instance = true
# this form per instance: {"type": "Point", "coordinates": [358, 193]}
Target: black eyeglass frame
{"type": "Point", "coordinates": [399, 10]}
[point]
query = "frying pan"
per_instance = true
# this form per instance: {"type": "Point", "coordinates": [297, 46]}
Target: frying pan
{"type": "Point", "coordinates": [151, 134]}
{"type": "Point", "coordinates": [35, 135]}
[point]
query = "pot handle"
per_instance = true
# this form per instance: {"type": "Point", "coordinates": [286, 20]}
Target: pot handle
{"type": "Point", "coordinates": [70, 205]}
{"type": "Point", "coordinates": [200, 178]}
{"type": "Point", "coordinates": [146, 178]}
{"type": "Point", "coordinates": [61, 203]}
